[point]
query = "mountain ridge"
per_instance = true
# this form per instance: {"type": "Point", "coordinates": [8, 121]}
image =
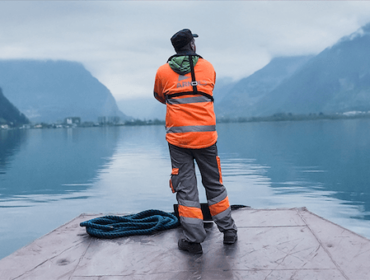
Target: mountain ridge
{"type": "Point", "coordinates": [334, 81]}
{"type": "Point", "coordinates": [51, 90]}
{"type": "Point", "coordinates": [337, 80]}
{"type": "Point", "coordinates": [9, 114]}
{"type": "Point", "coordinates": [241, 96]}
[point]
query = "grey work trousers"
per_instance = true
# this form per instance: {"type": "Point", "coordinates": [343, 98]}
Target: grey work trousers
{"type": "Point", "coordinates": [184, 183]}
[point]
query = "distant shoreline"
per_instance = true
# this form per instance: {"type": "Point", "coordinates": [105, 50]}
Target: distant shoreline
{"type": "Point", "coordinates": [291, 117]}
{"type": "Point", "coordinates": [137, 122]}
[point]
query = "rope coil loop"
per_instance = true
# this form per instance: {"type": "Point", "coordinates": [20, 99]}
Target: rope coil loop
{"type": "Point", "coordinates": [145, 222]}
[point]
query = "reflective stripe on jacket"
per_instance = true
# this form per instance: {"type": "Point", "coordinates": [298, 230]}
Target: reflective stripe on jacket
{"type": "Point", "coordinates": [190, 117]}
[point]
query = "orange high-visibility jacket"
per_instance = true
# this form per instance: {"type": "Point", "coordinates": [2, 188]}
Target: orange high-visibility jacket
{"type": "Point", "coordinates": [190, 117]}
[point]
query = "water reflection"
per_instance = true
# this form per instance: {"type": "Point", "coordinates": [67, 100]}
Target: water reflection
{"type": "Point", "coordinates": [10, 143]}
{"type": "Point", "coordinates": [335, 154]}
{"type": "Point", "coordinates": [321, 165]}
{"type": "Point", "coordinates": [51, 176]}
{"type": "Point", "coordinates": [55, 161]}
{"type": "Point", "coordinates": [47, 176]}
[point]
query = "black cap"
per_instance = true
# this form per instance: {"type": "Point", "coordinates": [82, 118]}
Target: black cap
{"type": "Point", "coordinates": [182, 38]}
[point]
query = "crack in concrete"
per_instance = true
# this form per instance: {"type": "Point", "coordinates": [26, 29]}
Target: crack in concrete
{"type": "Point", "coordinates": [40, 264]}
{"type": "Point", "coordinates": [326, 251]}
{"type": "Point", "coordinates": [82, 256]}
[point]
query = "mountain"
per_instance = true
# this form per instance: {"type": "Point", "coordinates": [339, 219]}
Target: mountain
{"type": "Point", "coordinates": [9, 114]}
{"type": "Point", "coordinates": [143, 108]}
{"type": "Point", "coordinates": [238, 99]}
{"type": "Point", "coordinates": [334, 81]}
{"type": "Point", "coordinates": [232, 99]}
{"type": "Point", "coordinates": [49, 91]}
{"type": "Point", "coordinates": [222, 86]}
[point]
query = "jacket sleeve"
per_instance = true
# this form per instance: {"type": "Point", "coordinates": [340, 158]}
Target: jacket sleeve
{"type": "Point", "coordinates": [214, 82]}
{"type": "Point", "coordinates": [158, 89]}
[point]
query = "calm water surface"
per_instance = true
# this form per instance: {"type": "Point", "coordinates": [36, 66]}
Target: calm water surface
{"type": "Point", "coordinates": [48, 177]}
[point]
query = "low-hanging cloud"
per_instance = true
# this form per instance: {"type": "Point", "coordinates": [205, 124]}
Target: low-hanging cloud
{"type": "Point", "coordinates": [123, 43]}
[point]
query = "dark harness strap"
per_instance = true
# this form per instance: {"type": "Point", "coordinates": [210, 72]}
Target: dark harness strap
{"type": "Point", "coordinates": [193, 80]}
{"type": "Point", "coordinates": [194, 83]}
{"type": "Point", "coordinates": [190, 93]}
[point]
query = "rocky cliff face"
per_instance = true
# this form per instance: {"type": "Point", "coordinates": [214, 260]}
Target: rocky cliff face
{"type": "Point", "coordinates": [49, 91]}
{"type": "Point", "coordinates": [9, 114]}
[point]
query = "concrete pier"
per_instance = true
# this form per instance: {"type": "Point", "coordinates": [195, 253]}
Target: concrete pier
{"type": "Point", "coordinates": [273, 244]}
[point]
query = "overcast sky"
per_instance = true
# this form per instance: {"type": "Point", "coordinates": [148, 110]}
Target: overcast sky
{"type": "Point", "coordinates": [123, 43]}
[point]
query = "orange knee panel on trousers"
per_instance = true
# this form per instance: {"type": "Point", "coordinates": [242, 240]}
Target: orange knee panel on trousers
{"type": "Point", "coordinates": [219, 207]}
{"type": "Point", "coordinates": [190, 212]}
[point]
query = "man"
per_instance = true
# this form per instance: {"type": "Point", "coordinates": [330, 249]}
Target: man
{"type": "Point", "coordinates": [185, 84]}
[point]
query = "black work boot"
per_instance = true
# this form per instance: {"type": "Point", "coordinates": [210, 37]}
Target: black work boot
{"type": "Point", "coordinates": [191, 247]}
{"type": "Point", "coordinates": [230, 236]}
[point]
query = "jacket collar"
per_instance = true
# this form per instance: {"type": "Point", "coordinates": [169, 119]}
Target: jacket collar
{"type": "Point", "coordinates": [184, 53]}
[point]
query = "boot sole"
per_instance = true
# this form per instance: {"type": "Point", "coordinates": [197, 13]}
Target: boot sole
{"type": "Point", "coordinates": [187, 249]}
{"type": "Point", "coordinates": [229, 242]}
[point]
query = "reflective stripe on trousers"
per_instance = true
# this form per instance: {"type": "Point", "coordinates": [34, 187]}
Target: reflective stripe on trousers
{"type": "Point", "coordinates": [191, 219]}
{"type": "Point", "coordinates": [184, 183]}
{"type": "Point", "coordinates": [221, 212]}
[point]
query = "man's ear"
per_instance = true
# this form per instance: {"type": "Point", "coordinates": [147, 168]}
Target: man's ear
{"type": "Point", "coordinates": [193, 47]}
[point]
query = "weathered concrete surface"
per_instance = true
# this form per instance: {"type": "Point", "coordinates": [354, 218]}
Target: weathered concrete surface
{"type": "Point", "coordinates": [273, 244]}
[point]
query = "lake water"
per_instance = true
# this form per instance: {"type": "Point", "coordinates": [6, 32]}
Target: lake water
{"type": "Point", "coordinates": [48, 177]}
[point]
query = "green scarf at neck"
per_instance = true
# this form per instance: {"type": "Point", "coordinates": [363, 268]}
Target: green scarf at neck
{"type": "Point", "coordinates": [181, 64]}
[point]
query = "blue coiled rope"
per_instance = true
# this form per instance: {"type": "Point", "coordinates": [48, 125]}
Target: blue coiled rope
{"type": "Point", "coordinates": [145, 222]}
